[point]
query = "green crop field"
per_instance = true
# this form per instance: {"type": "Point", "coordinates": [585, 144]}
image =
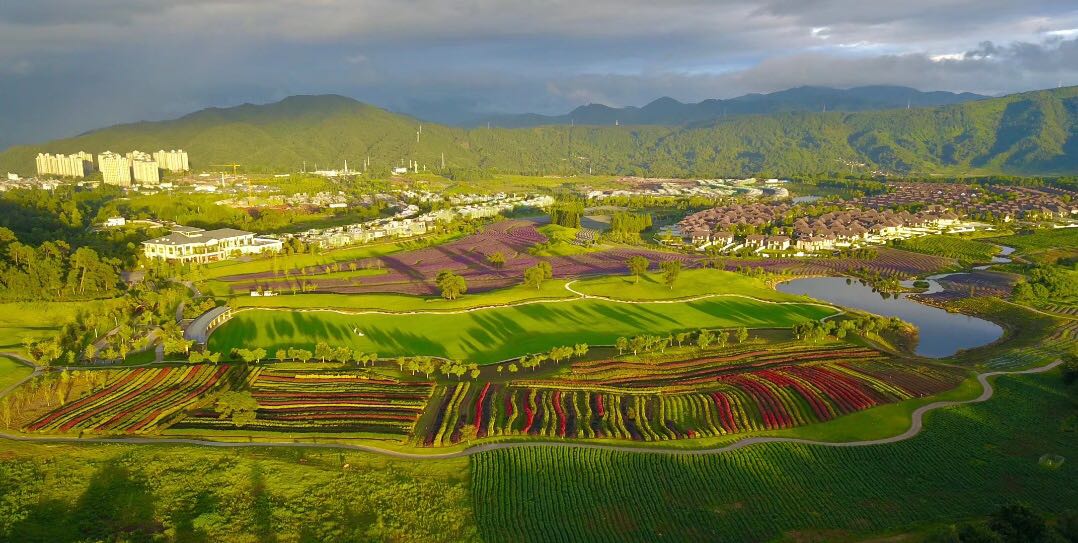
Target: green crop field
{"type": "Point", "coordinates": [967, 462]}
{"type": "Point", "coordinates": [962, 249]}
{"type": "Point", "coordinates": [1044, 246]}
{"type": "Point", "coordinates": [490, 335]}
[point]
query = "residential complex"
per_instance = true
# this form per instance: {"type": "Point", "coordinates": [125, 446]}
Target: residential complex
{"type": "Point", "coordinates": [74, 165]}
{"type": "Point", "coordinates": [173, 161]}
{"type": "Point", "coordinates": [144, 168]}
{"type": "Point", "coordinates": [115, 169]}
{"type": "Point", "coordinates": [190, 244]}
{"type": "Point", "coordinates": [781, 226]}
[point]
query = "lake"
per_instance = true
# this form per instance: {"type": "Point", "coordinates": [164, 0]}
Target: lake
{"type": "Point", "coordinates": [941, 333]}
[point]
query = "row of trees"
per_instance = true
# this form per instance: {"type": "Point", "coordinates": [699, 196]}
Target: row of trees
{"type": "Point", "coordinates": [702, 338]}
{"type": "Point", "coordinates": [556, 355]}
{"type": "Point", "coordinates": [814, 331]}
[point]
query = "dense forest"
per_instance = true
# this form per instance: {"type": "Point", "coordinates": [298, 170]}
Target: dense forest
{"type": "Point", "coordinates": [1029, 133]}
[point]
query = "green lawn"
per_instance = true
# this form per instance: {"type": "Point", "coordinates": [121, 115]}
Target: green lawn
{"type": "Point", "coordinates": [11, 372]}
{"type": "Point", "coordinates": [400, 302]}
{"type": "Point", "coordinates": [490, 335]}
{"type": "Point", "coordinates": [560, 242]}
{"type": "Point", "coordinates": [35, 320]}
{"type": "Point", "coordinates": [690, 283]}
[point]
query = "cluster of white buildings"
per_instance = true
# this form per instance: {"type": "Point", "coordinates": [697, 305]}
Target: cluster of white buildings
{"type": "Point", "coordinates": [135, 167]}
{"type": "Point", "coordinates": [190, 244]}
{"type": "Point", "coordinates": [75, 165]}
{"type": "Point", "coordinates": [707, 188]}
{"type": "Point", "coordinates": [409, 222]}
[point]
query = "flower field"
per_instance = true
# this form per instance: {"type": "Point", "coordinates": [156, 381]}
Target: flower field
{"type": "Point", "coordinates": [320, 402]}
{"type": "Point", "coordinates": [135, 401]}
{"type": "Point", "coordinates": [777, 393]}
{"type": "Point", "coordinates": [413, 272]}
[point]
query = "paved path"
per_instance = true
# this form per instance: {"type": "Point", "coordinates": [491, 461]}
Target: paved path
{"type": "Point", "coordinates": [916, 424]}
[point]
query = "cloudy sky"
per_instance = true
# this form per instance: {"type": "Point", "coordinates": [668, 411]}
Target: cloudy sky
{"type": "Point", "coordinates": [68, 66]}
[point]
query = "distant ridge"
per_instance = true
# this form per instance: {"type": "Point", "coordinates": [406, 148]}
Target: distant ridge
{"type": "Point", "coordinates": [1028, 133]}
{"type": "Point", "coordinates": [668, 111]}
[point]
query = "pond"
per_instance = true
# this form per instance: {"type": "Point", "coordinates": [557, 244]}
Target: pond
{"type": "Point", "coordinates": [941, 333]}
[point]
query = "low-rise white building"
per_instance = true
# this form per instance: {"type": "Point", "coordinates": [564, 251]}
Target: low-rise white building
{"type": "Point", "coordinates": [188, 244]}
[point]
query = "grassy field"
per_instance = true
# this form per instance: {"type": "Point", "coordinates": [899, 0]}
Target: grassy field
{"type": "Point", "coordinates": [491, 335]}
{"type": "Point", "coordinates": [61, 493]}
{"type": "Point", "coordinates": [553, 289]}
{"type": "Point", "coordinates": [11, 372]}
{"type": "Point", "coordinates": [34, 320]}
{"type": "Point", "coordinates": [690, 283]}
{"type": "Point", "coordinates": [968, 461]}
{"type": "Point", "coordinates": [560, 242]}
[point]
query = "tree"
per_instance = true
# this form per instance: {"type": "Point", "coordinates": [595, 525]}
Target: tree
{"type": "Point", "coordinates": [638, 266]}
{"type": "Point", "coordinates": [496, 259]}
{"type": "Point", "coordinates": [580, 349]}
{"type": "Point", "coordinates": [323, 351]}
{"type": "Point", "coordinates": [621, 344]}
{"type": "Point", "coordinates": [704, 338]}
{"type": "Point", "coordinates": [1017, 524]}
{"type": "Point", "coordinates": [451, 285]}
{"type": "Point", "coordinates": [722, 338]}
{"type": "Point", "coordinates": [742, 335]}
{"type": "Point", "coordinates": [241, 406]}
{"type": "Point", "coordinates": [258, 354]}
{"type": "Point", "coordinates": [638, 343]}
{"type": "Point", "coordinates": [671, 270]}
{"type": "Point", "coordinates": [534, 277]}
{"type": "Point", "coordinates": [682, 337]}
{"type": "Point", "coordinates": [281, 354]}
{"type": "Point", "coordinates": [213, 358]}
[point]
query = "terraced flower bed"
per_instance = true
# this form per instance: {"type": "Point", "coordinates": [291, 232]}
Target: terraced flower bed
{"type": "Point", "coordinates": [776, 397]}
{"type": "Point", "coordinates": [134, 401]}
{"type": "Point", "coordinates": [324, 402]}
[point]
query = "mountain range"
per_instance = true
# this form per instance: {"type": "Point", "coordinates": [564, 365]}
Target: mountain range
{"type": "Point", "coordinates": [668, 111]}
{"type": "Point", "coordinates": [1028, 133]}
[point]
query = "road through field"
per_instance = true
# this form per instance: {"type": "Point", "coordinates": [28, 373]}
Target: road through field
{"type": "Point", "coordinates": [916, 425]}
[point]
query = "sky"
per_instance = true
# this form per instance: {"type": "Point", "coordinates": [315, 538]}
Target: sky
{"type": "Point", "coordinates": [67, 66]}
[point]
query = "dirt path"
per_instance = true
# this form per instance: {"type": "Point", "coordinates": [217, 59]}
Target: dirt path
{"type": "Point", "coordinates": [916, 425]}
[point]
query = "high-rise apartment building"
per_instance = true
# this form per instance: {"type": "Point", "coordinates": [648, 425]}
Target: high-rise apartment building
{"type": "Point", "coordinates": [75, 165]}
{"type": "Point", "coordinates": [115, 169]}
{"type": "Point", "coordinates": [145, 168]}
{"type": "Point", "coordinates": [173, 161]}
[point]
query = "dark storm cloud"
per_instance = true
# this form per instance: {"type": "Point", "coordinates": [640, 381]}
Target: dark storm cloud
{"type": "Point", "coordinates": [71, 65]}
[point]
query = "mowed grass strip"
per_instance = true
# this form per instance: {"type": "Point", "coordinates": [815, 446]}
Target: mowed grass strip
{"type": "Point", "coordinates": [490, 335]}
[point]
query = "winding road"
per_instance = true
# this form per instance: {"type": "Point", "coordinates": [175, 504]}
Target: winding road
{"type": "Point", "coordinates": [916, 425]}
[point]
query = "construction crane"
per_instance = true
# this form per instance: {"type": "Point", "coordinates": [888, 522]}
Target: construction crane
{"type": "Point", "coordinates": [234, 175]}
{"type": "Point", "coordinates": [233, 166]}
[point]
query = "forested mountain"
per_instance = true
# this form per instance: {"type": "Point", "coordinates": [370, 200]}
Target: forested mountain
{"type": "Point", "coordinates": [1027, 133]}
{"type": "Point", "coordinates": [668, 111]}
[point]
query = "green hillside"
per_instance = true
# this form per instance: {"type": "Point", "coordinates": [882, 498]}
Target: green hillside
{"type": "Point", "coordinates": [1035, 132]}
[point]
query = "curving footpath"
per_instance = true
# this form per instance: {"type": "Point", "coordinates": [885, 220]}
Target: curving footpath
{"type": "Point", "coordinates": [916, 425]}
